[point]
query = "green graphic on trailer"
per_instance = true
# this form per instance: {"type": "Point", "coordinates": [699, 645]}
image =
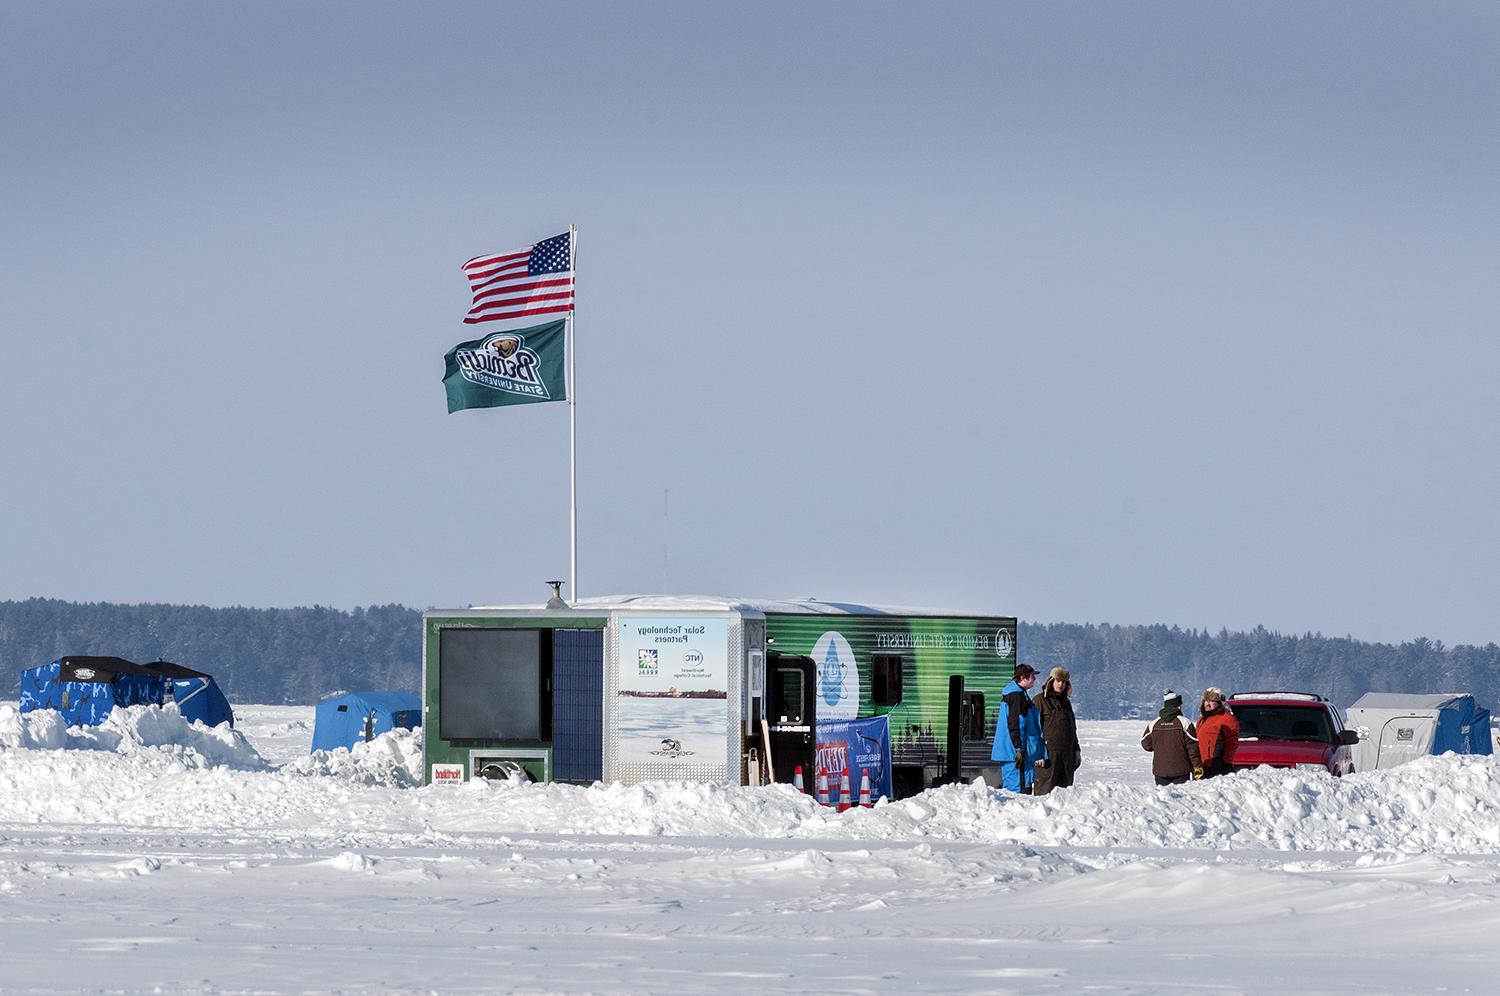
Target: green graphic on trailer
{"type": "Point", "coordinates": [843, 648]}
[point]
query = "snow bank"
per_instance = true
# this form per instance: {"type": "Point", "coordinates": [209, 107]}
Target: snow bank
{"type": "Point", "coordinates": [653, 809]}
{"type": "Point", "coordinates": [160, 729]}
{"type": "Point", "coordinates": [146, 766]}
{"type": "Point", "coordinates": [1448, 804]}
{"type": "Point", "coordinates": [43, 730]}
{"type": "Point", "coordinates": [393, 759]}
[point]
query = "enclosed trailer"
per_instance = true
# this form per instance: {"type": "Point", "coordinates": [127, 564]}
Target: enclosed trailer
{"type": "Point", "coordinates": [637, 688]}
{"type": "Point", "coordinates": [1395, 727]}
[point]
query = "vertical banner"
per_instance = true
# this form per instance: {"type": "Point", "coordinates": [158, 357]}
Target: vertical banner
{"type": "Point", "coordinates": [856, 746]}
{"type": "Point", "coordinates": [674, 690]}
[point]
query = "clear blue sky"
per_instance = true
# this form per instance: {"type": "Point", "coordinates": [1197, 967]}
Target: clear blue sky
{"type": "Point", "coordinates": [1176, 313]}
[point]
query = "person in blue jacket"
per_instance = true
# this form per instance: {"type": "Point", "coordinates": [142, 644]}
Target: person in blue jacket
{"type": "Point", "coordinates": [1018, 733]}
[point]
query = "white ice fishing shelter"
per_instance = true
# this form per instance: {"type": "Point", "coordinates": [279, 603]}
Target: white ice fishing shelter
{"type": "Point", "coordinates": [1395, 727]}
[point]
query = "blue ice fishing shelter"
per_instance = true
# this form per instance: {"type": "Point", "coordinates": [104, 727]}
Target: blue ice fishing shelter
{"type": "Point", "coordinates": [197, 696]}
{"type": "Point", "coordinates": [85, 689]}
{"type": "Point", "coordinates": [345, 720]}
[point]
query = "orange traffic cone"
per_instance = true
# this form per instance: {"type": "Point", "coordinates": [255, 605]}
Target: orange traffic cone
{"type": "Point", "coordinates": [822, 787]}
{"type": "Point", "coordinates": [864, 788]}
{"type": "Point", "coordinates": [797, 779]}
{"type": "Point", "coordinates": [844, 794]}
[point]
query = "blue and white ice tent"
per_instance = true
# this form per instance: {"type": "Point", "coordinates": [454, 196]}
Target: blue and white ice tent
{"type": "Point", "coordinates": [85, 689]}
{"type": "Point", "coordinates": [345, 720]}
{"type": "Point", "coordinates": [1394, 727]}
{"type": "Point", "coordinates": [197, 696]}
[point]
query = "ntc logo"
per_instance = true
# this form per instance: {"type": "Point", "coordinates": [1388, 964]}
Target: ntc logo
{"type": "Point", "coordinates": [693, 657]}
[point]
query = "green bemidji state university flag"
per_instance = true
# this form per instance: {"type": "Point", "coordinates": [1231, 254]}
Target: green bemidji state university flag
{"type": "Point", "coordinates": [519, 367]}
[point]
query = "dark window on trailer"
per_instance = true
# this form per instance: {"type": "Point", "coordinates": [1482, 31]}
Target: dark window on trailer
{"type": "Point", "coordinates": [971, 716]}
{"type": "Point", "coordinates": [494, 684]}
{"type": "Point", "coordinates": [885, 679]}
{"type": "Point", "coordinates": [789, 704]}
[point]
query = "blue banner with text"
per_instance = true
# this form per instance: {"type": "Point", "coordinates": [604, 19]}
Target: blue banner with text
{"type": "Point", "coordinates": [856, 746]}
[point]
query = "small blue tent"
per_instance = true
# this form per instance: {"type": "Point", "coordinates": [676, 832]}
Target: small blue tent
{"type": "Point", "coordinates": [197, 695]}
{"type": "Point", "coordinates": [85, 689]}
{"type": "Point", "coordinates": [345, 720]}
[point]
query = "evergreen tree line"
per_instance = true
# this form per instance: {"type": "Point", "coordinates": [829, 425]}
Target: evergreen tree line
{"type": "Point", "coordinates": [1122, 671]}
{"type": "Point", "coordinates": [299, 655]}
{"type": "Point", "coordinates": [275, 656]}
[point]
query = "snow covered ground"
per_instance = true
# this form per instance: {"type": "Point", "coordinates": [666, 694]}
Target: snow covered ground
{"type": "Point", "coordinates": [148, 856]}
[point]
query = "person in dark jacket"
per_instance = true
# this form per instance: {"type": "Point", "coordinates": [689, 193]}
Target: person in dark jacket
{"type": "Point", "coordinates": [1173, 744]}
{"type": "Point", "coordinates": [1018, 733]}
{"type": "Point", "coordinates": [1218, 735]}
{"type": "Point", "coordinates": [1059, 731]}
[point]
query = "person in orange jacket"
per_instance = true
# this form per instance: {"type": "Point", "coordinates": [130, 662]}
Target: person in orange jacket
{"type": "Point", "coordinates": [1218, 735]}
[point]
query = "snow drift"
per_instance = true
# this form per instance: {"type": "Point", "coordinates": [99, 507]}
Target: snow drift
{"type": "Point", "coordinates": [393, 759]}
{"type": "Point", "coordinates": [147, 766]}
{"type": "Point", "coordinates": [160, 729]}
{"type": "Point", "coordinates": [1445, 804]}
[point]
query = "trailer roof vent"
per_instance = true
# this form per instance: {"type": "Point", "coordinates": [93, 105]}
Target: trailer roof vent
{"type": "Point", "coordinates": [556, 601]}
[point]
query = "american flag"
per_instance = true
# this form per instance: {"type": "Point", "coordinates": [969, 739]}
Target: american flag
{"type": "Point", "coordinates": [534, 280]}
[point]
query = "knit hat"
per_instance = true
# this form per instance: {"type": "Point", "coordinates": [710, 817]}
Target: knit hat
{"type": "Point", "coordinates": [1170, 697]}
{"type": "Point", "coordinates": [1213, 695]}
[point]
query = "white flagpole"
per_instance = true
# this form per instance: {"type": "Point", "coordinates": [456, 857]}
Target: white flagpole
{"type": "Point", "coordinates": [572, 418]}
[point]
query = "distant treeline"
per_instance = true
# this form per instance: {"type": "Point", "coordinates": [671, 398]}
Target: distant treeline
{"type": "Point", "coordinates": [1121, 671]}
{"type": "Point", "coordinates": [256, 655]}
{"type": "Point", "coordinates": [299, 655]}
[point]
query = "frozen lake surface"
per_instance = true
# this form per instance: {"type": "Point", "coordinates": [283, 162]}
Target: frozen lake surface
{"type": "Point", "coordinates": [147, 856]}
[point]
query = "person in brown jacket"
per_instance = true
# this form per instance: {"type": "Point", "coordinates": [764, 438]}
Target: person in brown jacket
{"type": "Point", "coordinates": [1059, 732]}
{"type": "Point", "coordinates": [1173, 744]}
{"type": "Point", "coordinates": [1218, 735]}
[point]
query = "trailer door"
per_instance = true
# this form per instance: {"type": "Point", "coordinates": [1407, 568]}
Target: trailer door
{"type": "Point", "coordinates": [791, 714]}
